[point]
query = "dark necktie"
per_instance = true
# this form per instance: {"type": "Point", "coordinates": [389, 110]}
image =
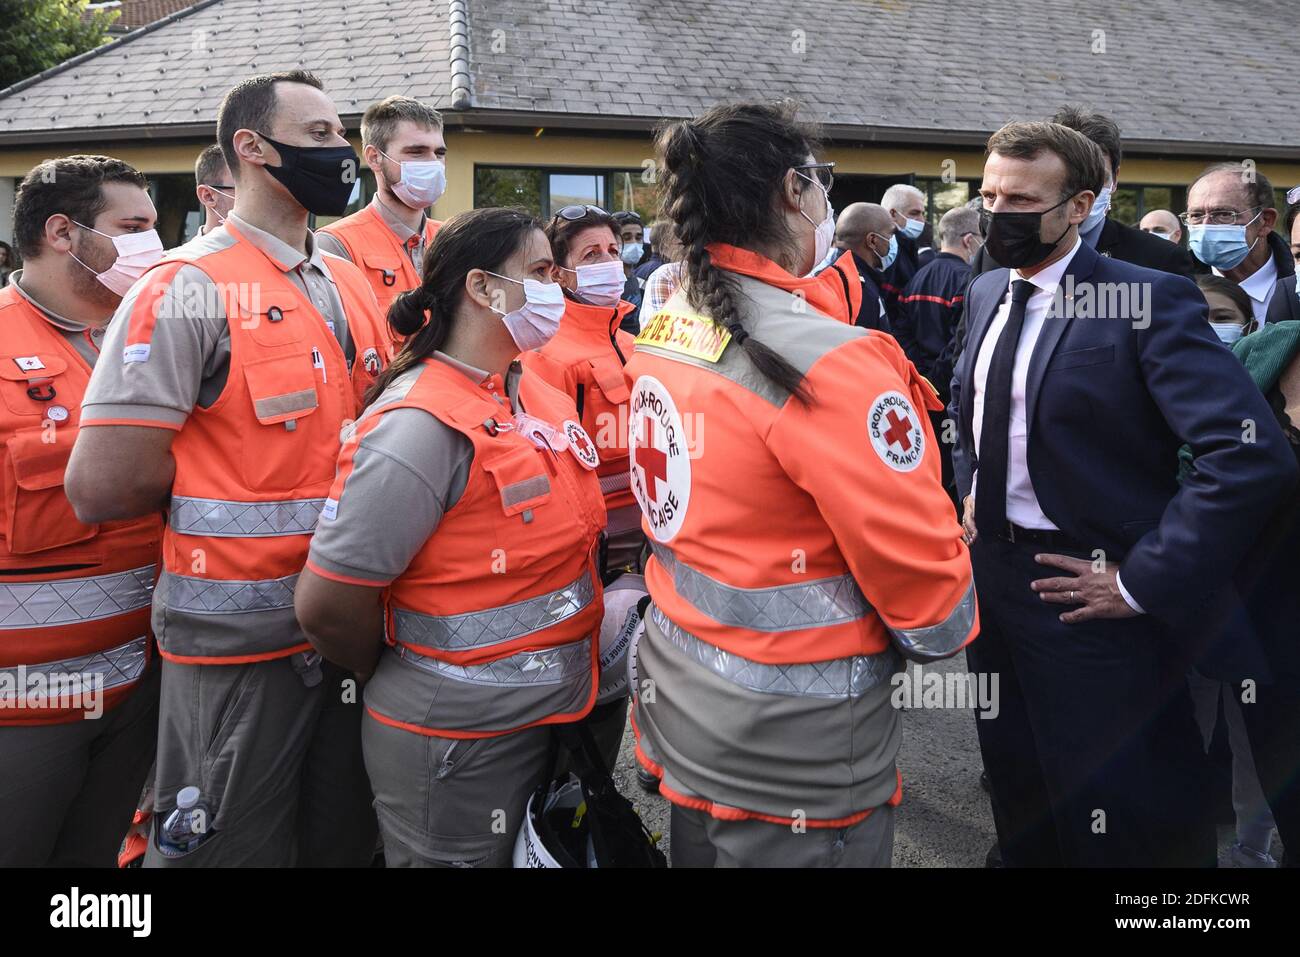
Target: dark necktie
{"type": "Point", "coordinates": [991, 491]}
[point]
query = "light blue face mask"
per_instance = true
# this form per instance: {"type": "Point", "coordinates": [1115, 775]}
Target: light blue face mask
{"type": "Point", "coordinates": [1100, 206]}
{"type": "Point", "coordinates": [912, 228]}
{"type": "Point", "coordinates": [1228, 332]}
{"type": "Point", "coordinates": [631, 253]}
{"type": "Point", "coordinates": [890, 256]}
{"type": "Point", "coordinates": [1223, 247]}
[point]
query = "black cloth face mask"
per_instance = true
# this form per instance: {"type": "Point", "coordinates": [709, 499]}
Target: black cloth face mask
{"type": "Point", "coordinates": [320, 178]}
{"type": "Point", "coordinates": [1015, 240]}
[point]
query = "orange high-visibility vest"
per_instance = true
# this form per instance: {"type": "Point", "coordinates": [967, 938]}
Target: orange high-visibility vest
{"type": "Point", "coordinates": [253, 469]}
{"type": "Point", "coordinates": [797, 550]}
{"type": "Point", "coordinates": [506, 591]}
{"type": "Point", "coordinates": [74, 598]}
{"type": "Point", "coordinates": [585, 360]}
{"type": "Point", "coordinates": [383, 259]}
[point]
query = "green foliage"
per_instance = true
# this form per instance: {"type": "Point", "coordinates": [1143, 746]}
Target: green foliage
{"type": "Point", "coordinates": [38, 34]}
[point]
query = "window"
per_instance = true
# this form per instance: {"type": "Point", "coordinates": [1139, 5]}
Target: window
{"type": "Point", "coordinates": [941, 196]}
{"type": "Point", "coordinates": [543, 191]}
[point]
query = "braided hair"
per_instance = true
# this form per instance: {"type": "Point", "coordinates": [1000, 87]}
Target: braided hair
{"type": "Point", "coordinates": [722, 175]}
{"type": "Point", "coordinates": [479, 239]}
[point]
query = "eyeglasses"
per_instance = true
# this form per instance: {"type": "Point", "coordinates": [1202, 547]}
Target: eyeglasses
{"type": "Point", "coordinates": [1215, 217]}
{"type": "Point", "coordinates": [578, 211]}
{"type": "Point", "coordinates": [823, 172]}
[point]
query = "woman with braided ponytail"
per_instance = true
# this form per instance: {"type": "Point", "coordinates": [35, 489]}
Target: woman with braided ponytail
{"type": "Point", "coordinates": [789, 483]}
{"type": "Point", "coordinates": [455, 561]}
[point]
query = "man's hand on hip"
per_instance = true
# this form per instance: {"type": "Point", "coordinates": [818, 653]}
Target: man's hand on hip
{"type": "Point", "coordinates": [1097, 591]}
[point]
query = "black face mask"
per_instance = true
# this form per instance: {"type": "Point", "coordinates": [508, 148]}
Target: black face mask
{"type": "Point", "coordinates": [1014, 240]}
{"type": "Point", "coordinates": [320, 178]}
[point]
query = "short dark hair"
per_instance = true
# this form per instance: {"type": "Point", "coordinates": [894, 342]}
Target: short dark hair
{"type": "Point", "coordinates": [379, 122]}
{"type": "Point", "coordinates": [1258, 188]}
{"type": "Point", "coordinates": [1208, 282]}
{"type": "Point", "coordinates": [250, 105]}
{"type": "Point", "coordinates": [208, 165]}
{"type": "Point", "coordinates": [1291, 212]}
{"type": "Point", "coordinates": [627, 216]}
{"type": "Point", "coordinates": [560, 231]}
{"type": "Point", "coordinates": [71, 185]}
{"type": "Point", "coordinates": [1085, 164]}
{"type": "Point", "coordinates": [1099, 128]}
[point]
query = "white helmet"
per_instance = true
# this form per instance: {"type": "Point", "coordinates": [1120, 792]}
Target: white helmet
{"type": "Point", "coordinates": [618, 630]}
{"type": "Point", "coordinates": [531, 850]}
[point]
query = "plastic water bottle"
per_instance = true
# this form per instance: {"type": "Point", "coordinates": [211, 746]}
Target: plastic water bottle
{"type": "Point", "coordinates": [186, 826]}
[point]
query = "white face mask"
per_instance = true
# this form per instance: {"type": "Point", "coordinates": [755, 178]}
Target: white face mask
{"type": "Point", "coordinates": [136, 252]}
{"type": "Point", "coordinates": [422, 183]}
{"type": "Point", "coordinates": [824, 237]}
{"type": "Point", "coordinates": [601, 284]}
{"type": "Point", "coordinates": [534, 323]}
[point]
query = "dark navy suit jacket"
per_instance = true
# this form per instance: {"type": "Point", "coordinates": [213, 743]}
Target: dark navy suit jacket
{"type": "Point", "coordinates": [1109, 405]}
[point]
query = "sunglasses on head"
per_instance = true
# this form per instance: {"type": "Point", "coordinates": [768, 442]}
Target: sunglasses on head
{"type": "Point", "coordinates": [1293, 194]}
{"type": "Point", "coordinates": [578, 211]}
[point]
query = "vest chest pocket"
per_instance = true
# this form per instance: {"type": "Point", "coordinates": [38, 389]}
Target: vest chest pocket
{"type": "Point", "coordinates": [520, 479]}
{"type": "Point", "coordinates": [384, 273]}
{"type": "Point", "coordinates": [294, 446]}
{"type": "Point", "coordinates": [270, 319]}
{"type": "Point", "coordinates": [610, 379]}
{"type": "Point", "coordinates": [30, 384]}
{"type": "Point", "coordinates": [39, 516]}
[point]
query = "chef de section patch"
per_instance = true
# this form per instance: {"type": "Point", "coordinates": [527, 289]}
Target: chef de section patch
{"type": "Point", "coordinates": [895, 431]}
{"type": "Point", "coordinates": [687, 334]}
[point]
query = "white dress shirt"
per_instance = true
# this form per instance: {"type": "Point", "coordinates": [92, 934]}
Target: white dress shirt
{"type": "Point", "coordinates": [1022, 504]}
{"type": "Point", "coordinates": [1259, 286]}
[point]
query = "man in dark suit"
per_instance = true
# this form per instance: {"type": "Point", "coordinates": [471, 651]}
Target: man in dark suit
{"type": "Point", "coordinates": [1081, 378]}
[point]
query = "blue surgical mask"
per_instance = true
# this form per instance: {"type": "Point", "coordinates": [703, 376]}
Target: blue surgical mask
{"type": "Point", "coordinates": [912, 228]}
{"type": "Point", "coordinates": [1228, 332]}
{"type": "Point", "coordinates": [631, 253]}
{"type": "Point", "coordinates": [890, 256]}
{"type": "Point", "coordinates": [1223, 247]}
{"type": "Point", "coordinates": [1100, 206]}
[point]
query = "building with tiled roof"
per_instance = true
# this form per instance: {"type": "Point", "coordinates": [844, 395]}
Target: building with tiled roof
{"type": "Point", "coordinates": [553, 100]}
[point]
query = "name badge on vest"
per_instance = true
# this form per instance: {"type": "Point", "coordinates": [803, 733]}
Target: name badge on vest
{"type": "Point", "coordinates": [580, 444]}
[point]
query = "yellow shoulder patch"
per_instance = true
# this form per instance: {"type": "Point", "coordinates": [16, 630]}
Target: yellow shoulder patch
{"type": "Point", "coordinates": [687, 333]}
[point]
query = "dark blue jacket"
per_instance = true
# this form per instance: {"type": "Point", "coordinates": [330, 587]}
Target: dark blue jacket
{"type": "Point", "coordinates": [869, 316]}
{"type": "Point", "coordinates": [928, 312]}
{"type": "Point", "coordinates": [1285, 304]}
{"type": "Point", "coordinates": [900, 272]}
{"type": "Point", "coordinates": [1110, 400]}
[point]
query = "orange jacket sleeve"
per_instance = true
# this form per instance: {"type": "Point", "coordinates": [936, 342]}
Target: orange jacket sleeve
{"type": "Point", "coordinates": [864, 449]}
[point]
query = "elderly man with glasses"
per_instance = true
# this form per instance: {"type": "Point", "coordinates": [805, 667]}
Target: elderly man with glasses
{"type": "Point", "coordinates": [1230, 218]}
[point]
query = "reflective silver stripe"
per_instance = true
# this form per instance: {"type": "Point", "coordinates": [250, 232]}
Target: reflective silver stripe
{"type": "Point", "coordinates": [942, 640]}
{"type": "Point", "coordinates": [72, 600]}
{"type": "Point", "coordinates": [207, 596]}
{"type": "Point", "coordinates": [548, 666]}
{"type": "Point", "coordinates": [825, 601]}
{"type": "Point", "coordinates": [837, 678]}
{"type": "Point", "coordinates": [617, 482]}
{"type": "Point", "coordinates": [220, 519]}
{"type": "Point", "coordinates": [118, 666]}
{"type": "Point", "coordinates": [477, 629]}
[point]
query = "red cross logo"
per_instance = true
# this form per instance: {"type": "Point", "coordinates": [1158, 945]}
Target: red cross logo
{"type": "Point", "coordinates": [899, 427]}
{"type": "Point", "coordinates": [650, 460]}
{"type": "Point", "coordinates": [580, 440]}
